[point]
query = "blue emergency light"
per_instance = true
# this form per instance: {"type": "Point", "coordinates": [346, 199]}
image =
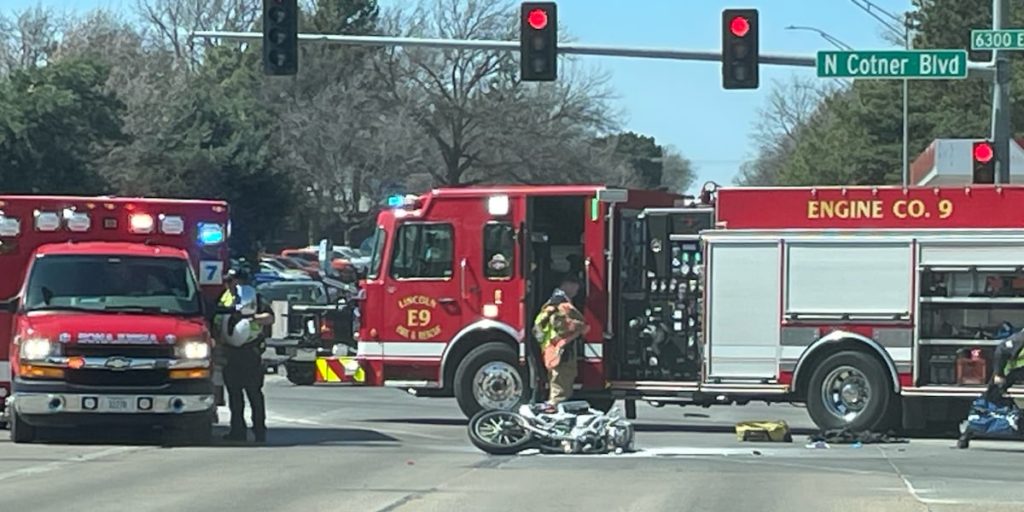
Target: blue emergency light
{"type": "Point", "coordinates": [395, 201]}
{"type": "Point", "coordinates": [210, 234]}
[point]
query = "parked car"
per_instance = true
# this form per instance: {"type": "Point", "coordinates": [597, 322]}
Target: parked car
{"type": "Point", "coordinates": [338, 260]}
{"type": "Point", "coordinates": [317, 318]}
{"type": "Point", "coordinates": [270, 272]}
{"type": "Point", "coordinates": [298, 264]}
{"type": "Point", "coordinates": [358, 260]}
{"type": "Point", "coordinates": [286, 270]}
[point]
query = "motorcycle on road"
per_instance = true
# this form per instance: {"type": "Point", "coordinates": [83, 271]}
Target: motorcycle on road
{"type": "Point", "coordinates": [573, 428]}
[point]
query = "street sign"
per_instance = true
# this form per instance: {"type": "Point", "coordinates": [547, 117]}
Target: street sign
{"type": "Point", "coordinates": [997, 39]}
{"type": "Point", "coordinates": [921, 64]}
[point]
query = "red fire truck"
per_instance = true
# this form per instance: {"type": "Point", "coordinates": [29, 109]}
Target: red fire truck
{"type": "Point", "coordinates": [103, 308]}
{"type": "Point", "coordinates": [870, 305]}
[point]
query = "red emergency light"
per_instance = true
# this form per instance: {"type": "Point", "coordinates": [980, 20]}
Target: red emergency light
{"type": "Point", "coordinates": [739, 26]}
{"type": "Point", "coordinates": [983, 152]}
{"type": "Point", "coordinates": [537, 19]}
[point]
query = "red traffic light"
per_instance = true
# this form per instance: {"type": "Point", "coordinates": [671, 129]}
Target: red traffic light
{"type": "Point", "coordinates": [739, 26]}
{"type": "Point", "coordinates": [983, 152]}
{"type": "Point", "coordinates": [537, 19]}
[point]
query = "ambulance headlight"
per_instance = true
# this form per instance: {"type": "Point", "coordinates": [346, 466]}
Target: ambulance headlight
{"type": "Point", "coordinates": [194, 350]}
{"type": "Point", "coordinates": [38, 349]}
{"type": "Point", "coordinates": [210, 234]}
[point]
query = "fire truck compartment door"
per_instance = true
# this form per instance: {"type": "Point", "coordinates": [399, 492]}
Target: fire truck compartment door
{"type": "Point", "coordinates": [744, 293]}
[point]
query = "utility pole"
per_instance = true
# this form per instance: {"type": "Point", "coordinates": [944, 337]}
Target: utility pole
{"type": "Point", "coordinates": [892, 24]}
{"type": "Point", "coordinates": [1001, 96]}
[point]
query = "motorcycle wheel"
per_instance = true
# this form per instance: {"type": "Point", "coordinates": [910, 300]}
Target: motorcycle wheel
{"type": "Point", "coordinates": [499, 432]}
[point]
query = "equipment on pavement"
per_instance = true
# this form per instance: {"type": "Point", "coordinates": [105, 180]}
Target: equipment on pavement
{"type": "Point", "coordinates": [573, 428]}
{"type": "Point", "coordinates": [992, 420]}
{"type": "Point", "coordinates": [770, 431]}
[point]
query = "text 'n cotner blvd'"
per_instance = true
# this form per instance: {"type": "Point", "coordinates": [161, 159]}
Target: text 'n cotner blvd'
{"type": "Point", "coordinates": [893, 64]}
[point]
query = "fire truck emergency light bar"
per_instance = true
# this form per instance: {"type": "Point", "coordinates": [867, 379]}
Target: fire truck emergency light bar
{"type": "Point", "coordinates": [139, 223]}
{"type": "Point", "coordinates": [497, 205]}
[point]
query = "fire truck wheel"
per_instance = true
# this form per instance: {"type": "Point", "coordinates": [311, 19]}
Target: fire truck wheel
{"type": "Point", "coordinates": [489, 377]}
{"type": "Point", "coordinates": [849, 390]}
{"type": "Point", "coordinates": [21, 432]}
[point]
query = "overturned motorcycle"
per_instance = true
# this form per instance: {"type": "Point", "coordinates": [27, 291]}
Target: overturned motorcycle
{"type": "Point", "coordinates": [574, 427]}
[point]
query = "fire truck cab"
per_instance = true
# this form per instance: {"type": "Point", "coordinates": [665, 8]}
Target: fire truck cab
{"type": "Point", "coordinates": [457, 276]}
{"type": "Point", "coordinates": [103, 312]}
{"type": "Point", "coordinates": [873, 305]}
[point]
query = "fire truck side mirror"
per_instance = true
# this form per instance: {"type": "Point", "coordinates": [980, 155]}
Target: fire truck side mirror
{"type": "Point", "coordinates": [9, 305]}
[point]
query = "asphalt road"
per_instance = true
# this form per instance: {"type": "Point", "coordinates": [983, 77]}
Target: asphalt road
{"type": "Point", "coordinates": [379, 450]}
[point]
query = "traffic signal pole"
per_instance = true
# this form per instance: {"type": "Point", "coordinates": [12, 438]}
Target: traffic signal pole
{"type": "Point", "coordinates": [1001, 95]}
{"type": "Point", "coordinates": [975, 69]}
{"type": "Point", "coordinates": [514, 46]}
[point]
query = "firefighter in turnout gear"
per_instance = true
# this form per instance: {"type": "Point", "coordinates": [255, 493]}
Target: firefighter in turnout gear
{"type": "Point", "coordinates": [558, 328]}
{"type": "Point", "coordinates": [242, 334]}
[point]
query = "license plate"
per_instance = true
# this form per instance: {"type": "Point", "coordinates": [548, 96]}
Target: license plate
{"type": "Point", "coordinates": [118, 404]}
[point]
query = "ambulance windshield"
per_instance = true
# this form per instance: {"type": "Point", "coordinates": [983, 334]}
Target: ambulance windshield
{"type": "Point", "coordinates": [113, 284]}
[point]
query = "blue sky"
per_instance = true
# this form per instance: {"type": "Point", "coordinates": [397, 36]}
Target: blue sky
{"type": "Point", "coordinates": [682, 103]}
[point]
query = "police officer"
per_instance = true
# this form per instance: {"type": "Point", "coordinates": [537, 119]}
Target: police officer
{"type": "Point", "coordinates": [243, 371]}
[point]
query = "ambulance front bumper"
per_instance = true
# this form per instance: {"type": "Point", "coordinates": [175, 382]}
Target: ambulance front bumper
{"type": "Point", "coordinates": [35, 404]}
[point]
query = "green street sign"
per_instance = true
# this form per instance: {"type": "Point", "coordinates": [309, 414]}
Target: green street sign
{"type": "Point", "coordinates": [922, 64]}
{"type": "Point", "coordinates": [997, 39]}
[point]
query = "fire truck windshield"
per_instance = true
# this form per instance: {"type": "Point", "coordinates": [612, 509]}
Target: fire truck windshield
{"type": "Point", "coordinates": [376, 254]}
{"type": "Point", "coordinates": [113, 284]}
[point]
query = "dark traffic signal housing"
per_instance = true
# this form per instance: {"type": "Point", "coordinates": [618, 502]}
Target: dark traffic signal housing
{"type": "Point", "coordinates": [538, 41]}
{"type": "Point", "coordinates": [280, 37]}
{"type": "Point", "coordinates": [739, 49]}
{"type": "Point", "coordinates": [983, 156]}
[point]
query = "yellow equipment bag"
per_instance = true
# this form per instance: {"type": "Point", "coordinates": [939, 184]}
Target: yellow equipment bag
{"type": "Point", "coordinates": [763, 431]}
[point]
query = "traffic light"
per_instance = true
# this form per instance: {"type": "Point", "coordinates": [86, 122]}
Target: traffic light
{"type": "Point", "coordinates": [280, 37]}
{"type": "Point", "coordinates": [983, 155]}
{"type": "Point", "coordinates": [538, 42]}
{"type": "Point", "coordinates": [739, 49]}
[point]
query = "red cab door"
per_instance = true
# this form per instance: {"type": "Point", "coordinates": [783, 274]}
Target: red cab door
{"type": "Point", "coordinates": [423, 303]}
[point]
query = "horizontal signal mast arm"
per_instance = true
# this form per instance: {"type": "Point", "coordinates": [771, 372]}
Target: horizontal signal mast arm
{"type": "Point", "coordinates": [975, 69]}
{"type": "Point", "coordinates": [483, 44]}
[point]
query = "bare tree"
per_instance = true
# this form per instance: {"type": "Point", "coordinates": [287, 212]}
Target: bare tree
{"type": "Point", "coordinates": [485, 124]}
{"type": "Point", "coordinates": [346, 149]}
{"type": "Point", "coordinates": [170, 24]}
{"type": "Point", "coordinates": [791, 108]}
{"type": "Point", "coordinates": [30, 38]}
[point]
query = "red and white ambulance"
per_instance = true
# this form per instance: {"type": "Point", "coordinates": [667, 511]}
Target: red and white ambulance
{"type": "Point", "coordinates": [103, 312]}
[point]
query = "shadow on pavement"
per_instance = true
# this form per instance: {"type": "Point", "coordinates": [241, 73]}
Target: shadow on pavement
{"type": "Point", "coordinates": [450, 422]}
{"type": "Point", "coordinates": [284, 437]}
{"type": "Point", "coordinates": [276, 437]}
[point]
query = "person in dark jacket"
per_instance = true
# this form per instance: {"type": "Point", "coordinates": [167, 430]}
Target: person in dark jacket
{"type": "Point", "coordinates": [243, 372]}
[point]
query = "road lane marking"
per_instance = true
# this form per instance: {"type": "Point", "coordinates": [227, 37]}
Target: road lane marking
{"type": "Point", "coordinates": [55, 465]}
